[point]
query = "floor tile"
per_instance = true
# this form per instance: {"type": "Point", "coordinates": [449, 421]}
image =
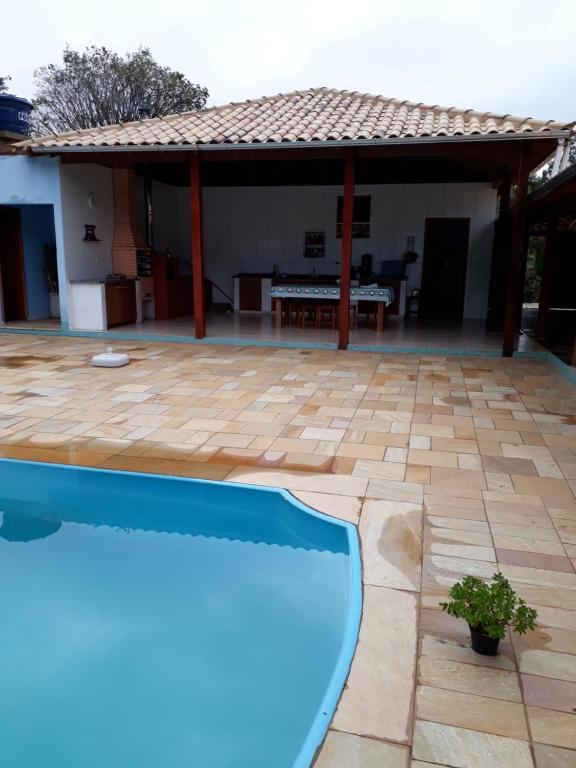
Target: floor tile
{"type": "Point", "coordinates": [539, 576]}
{"type": "Point", "coordinates": [385, 661]}
{"type": "Point", "coordinates": [395, 491]}
{"type": "Point", "coordinates": [464, 748]}
{"type": "Point", "coordinates": [468, 678]}
{"type": "Point", "coordinates": [560, 666]}
{"type": "Point", "coordinates": [534, 560]}
{"type": "Point", "coordinates": [300, 481]}
{"type": "Point", "coordinates": [549, 693]}
{"type": "Point", "coordinates": [442, 646]}
{"type": "Point", "coordinates": [343, 750]}
{"type": "Point", "coordinates": [391, 535]}
{"type": "Point", "coordinates": [432, 458]}
{"type": "Point", "coordinates": [465, 710]}
{"type": "Point", "coordinates": [508, 466]}
{"type": "Point", "coordinates": [528, 546]}
{"type": "Point", "coordinates": [553, 757]}
{"type": "Point", "coordinates": [551, 727]}
{"type": "Point", "coordinates": [455, 478]}
{"type": "Point", "coordinates": [343, 507]}
{"type": "Point", "coordinates": [542, 486]}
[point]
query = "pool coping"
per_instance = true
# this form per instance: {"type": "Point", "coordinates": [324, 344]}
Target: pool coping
{"type": "Point", "coordinates": [318, 729]}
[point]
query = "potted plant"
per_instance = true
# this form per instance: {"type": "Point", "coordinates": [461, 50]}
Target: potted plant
{"type": "Point", "coordinates": [51, 277]}
{"type": "Point", "coordinates": [489, 608]}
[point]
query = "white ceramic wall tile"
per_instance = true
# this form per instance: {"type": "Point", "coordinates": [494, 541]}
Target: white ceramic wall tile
{"type": "Point", "coordinates": [86, 261]}
{"type": "Point", "coordinates": [249, 229]}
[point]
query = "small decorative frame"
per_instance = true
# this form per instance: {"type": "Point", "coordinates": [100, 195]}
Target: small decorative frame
{"type": "Point", "coordinates": [90, 234]}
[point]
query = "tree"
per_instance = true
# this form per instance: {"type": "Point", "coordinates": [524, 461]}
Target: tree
{"type": "Point", "coordinates": [99, 87]}
{"type": "Point", "coordinates": [4, 83]}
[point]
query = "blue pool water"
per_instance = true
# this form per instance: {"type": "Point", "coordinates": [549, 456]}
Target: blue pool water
{"type": "Point", "coordinates": [154, 622]}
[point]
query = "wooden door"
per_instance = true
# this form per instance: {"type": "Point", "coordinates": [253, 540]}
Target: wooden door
{"type": "Point", "coordinates": [251, 293]}
{"type": "Point", "coordinates": [444, 269]}
{"type": "Point", "coordinates": [12, 265]}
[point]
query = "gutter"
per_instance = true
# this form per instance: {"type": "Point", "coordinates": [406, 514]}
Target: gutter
{"type": "Point", "coordinates": [553, 183]}
{"type": "Point", "coordinates": [558, 156]}
{"type": "Point", "coordinates": [565, 155]}
{"type": "Point", "coordinates": [333, 143]}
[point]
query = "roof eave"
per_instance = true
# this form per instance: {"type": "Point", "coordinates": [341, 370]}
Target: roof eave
{"type": "Point", "coordinates": [548, 187]}
{"type": "Point", "coordinates": [459, 139]}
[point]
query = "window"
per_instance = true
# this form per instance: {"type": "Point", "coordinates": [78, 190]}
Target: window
{"type": "Point", "coordinates": [360, 216]}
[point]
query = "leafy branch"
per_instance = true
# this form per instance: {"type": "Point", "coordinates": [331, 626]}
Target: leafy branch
{"type": "Point", "coordinates": [98, 87]}
{"type": "Point", "coordinates": [489, 608]}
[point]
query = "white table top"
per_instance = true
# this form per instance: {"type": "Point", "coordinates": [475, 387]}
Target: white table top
{"type": "Point", "coordinates": [357, 293]}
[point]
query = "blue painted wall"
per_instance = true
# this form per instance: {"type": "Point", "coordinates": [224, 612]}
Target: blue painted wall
{"type": "Point", "coordinates": [37, 230]}
{"type": "Point", "coordinates": [36, 181]}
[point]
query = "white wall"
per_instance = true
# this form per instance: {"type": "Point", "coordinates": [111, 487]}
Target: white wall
{"type": "Point", "coordinates": [87, 261]}
{"type": "Point", "coordinates": [249, 229]}
{"type": "Point", "coordinates": [171, 222]}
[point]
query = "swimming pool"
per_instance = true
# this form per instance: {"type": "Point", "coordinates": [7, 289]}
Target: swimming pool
{"type": "Point", "coordinates": [159, 622]}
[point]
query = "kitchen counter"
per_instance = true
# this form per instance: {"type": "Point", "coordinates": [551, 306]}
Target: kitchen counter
{"type": "Point", "coordinates": [286, 276]}
{"type": "Point", "coordinates": [96, 305]}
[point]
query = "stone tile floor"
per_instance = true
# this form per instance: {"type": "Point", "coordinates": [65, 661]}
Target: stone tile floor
{"type": "Point", "coordinates": [448, 465]}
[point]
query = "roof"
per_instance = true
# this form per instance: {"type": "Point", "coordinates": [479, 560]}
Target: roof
{"type": "Point", "coordinates": [317, 114]}
{"type": "Point", "coordinates": [557, 195]}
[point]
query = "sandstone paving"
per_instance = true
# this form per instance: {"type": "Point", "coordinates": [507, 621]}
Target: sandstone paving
{"type": "Point", "coordinates": [447, 465]}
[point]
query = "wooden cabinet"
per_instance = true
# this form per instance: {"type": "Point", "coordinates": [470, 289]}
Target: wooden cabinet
{"type": "Point", "coordinates": [167, 293]}
{"type": "Point", "coordinates": [120, 303]}
{"type": "Point", "coordinates": [250, 290]}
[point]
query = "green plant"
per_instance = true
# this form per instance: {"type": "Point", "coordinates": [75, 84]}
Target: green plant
{"type": "Point", "coordinates": [51, 267]}
{"type": "Point", "coordinates": [490, 607]}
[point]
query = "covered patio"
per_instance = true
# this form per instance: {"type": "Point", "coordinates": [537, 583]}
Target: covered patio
{"type": "Point", "coordinates": [330, 193]}
{"type": "Point", "coordinates": [552, 217]}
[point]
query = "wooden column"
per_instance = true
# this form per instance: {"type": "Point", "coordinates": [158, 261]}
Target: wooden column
{"type": "Point", "coordinates": [500, 259]}
{"type": "Point", "coordinates": [546, 284]}
{"type": "Point", "coordinates": [197, 257]}
{"type": "Point", "coordinates": [514, 285]}
{"type": "Point", "coordinates": [346, 250]}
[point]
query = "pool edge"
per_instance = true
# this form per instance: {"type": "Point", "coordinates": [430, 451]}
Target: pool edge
{"type": "Point", "coordinates": [319, 726]}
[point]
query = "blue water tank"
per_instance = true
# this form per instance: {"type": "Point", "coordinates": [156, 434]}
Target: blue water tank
{"type": "Point", "coordinates": [14, 114]}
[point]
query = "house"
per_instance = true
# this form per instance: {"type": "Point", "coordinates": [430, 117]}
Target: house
{"type": "Point", "coordinates": [551, 215]}
{"type": "Point", "coordinates": [321, 195]}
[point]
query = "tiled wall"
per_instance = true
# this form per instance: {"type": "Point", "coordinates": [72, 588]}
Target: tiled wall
{"type": "Point", "coordinates": [249, 229]}
{"type": "Point", "coordinates": [80, 184]}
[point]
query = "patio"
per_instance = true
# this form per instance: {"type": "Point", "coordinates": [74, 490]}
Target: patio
{"type": "Point", "coordinates": [448, 465]}
{"type": "Point", "coordinates": [398, 333]}
{"type": "Point", "coordinates": [468, 337]}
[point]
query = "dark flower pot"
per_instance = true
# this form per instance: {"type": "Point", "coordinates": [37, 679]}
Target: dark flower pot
{"type": "Point", "coordinates": [481, 643]}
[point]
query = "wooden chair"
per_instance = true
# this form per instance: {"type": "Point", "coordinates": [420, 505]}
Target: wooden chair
{"type": "Point", "coordinates": [353, 315]}
{"type": "Point", "coordinates": [307, 314]}
{"type": "Point", "coordinates": [327, 315]}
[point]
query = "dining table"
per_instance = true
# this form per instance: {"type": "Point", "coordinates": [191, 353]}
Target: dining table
{"type": "Point", "coordinates": [384, 297]}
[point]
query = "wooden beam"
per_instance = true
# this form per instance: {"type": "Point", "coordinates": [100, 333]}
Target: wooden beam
{"type": "Point", "coordinates": [546, 284]}
{"type": "Point", "coordinates": [346, 249]}
{"type": "Point", "coordinates": [197, 257]}
{"type": "Point", "coordinates": [516, 260]}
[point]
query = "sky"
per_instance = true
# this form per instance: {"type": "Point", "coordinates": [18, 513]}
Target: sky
{"type": "Point", "coordinates": [505, 56]}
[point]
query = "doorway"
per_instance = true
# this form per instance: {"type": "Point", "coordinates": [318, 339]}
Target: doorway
{"type": "Point", "coordinates": [444, 269]}
{"type": "Point", "coordinates": [12, 265]}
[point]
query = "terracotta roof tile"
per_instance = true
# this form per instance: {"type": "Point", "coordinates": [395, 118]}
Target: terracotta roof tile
{"type": "Point", "coordinates": [318, 114]}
